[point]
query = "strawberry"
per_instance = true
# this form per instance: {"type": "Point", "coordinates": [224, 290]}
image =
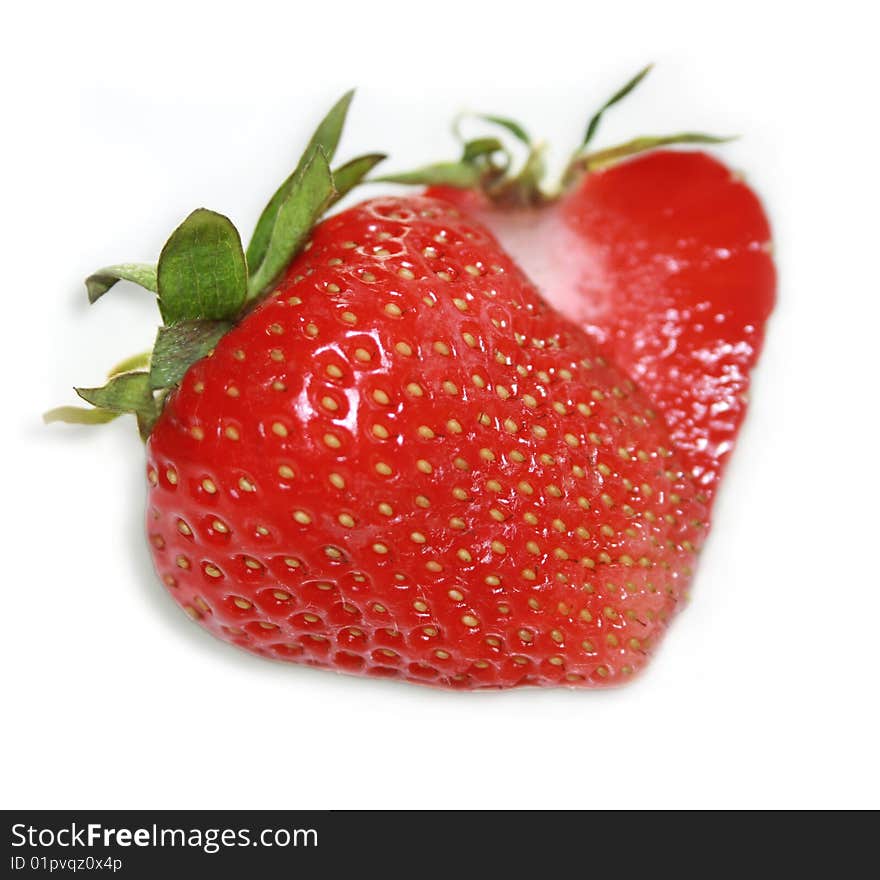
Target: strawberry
{"type": "Point", "coordinates": [664, 259]}
{"type": "Point", "coordinates": [391, 456]}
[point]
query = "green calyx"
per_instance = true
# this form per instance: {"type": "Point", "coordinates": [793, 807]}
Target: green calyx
{"type": "Point", "coordinates": [486, 163]}
{"type": "Point", "coordinates": [205, 281]}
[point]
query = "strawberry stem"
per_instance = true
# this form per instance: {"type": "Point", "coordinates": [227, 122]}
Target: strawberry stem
{"type": "Point", "coordinates": [478, 168]}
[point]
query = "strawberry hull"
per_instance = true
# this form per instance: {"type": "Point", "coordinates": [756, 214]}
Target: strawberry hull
{"type": "Point", "coordinates": [405, 464]}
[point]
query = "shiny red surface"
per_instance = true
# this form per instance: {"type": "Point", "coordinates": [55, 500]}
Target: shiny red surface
{"type": "Point", "coordinates": [665, 261]}
{"type": "Point", "coordinates": [405, 464]}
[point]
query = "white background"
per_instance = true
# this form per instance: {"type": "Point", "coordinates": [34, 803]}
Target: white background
{"type": "Point", "coordinates": [121, 118]}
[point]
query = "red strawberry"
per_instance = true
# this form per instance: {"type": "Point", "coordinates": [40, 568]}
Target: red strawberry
{"type": "Point", "coordinates": [663, 259]}
{"type": "Point", "coordinates": [401, 462]}
{"type": "Point", "coordinates": [405, 463]}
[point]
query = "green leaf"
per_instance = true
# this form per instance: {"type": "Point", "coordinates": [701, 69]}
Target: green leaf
{"type": "Point", "coordinates": [349, 175]}
{"type": "Point", "coordinates": [326, 137]}
{"type": "Point", "coordinates": [329, 130]}
{"type": "Point", "coordinates": [202, 272]}
{"type": "Point", "coordinates": [510, 125]}
{"type": "Point", "coordinates": [126, 393]}
{"type": "Point", "coordinates": [307, 199]}
{"type": "Point", "coordinates": [458, 174]}
{"type": "Point", "coordinates": [591, 161]}
{"type": "Point", "coordinates": [179, 347]}
{"type": "Point", "coordinates": [481, 147]}
{"type": "Point", "coordinates": [77, 415]}
{"type": "Point", "coordinates": [135, 362]}
{"type": "Point", "coordinates": [98, 283]}
{"type": "Point", "coordinates": [619, 95]}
